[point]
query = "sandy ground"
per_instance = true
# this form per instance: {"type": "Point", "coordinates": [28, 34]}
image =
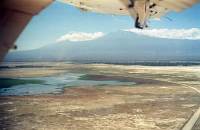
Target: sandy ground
{"type": "Point", "coordinates": [159, 101]}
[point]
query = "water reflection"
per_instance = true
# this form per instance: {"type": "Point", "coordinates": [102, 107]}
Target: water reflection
{"type": "Point", "coordinates": [52, 84]}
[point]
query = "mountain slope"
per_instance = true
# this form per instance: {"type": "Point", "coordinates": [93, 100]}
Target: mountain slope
{"type": "Point", "coordinates": [115, 47]}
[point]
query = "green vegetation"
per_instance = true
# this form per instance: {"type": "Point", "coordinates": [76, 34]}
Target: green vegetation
{"type": "Point", "coordinates": [9, 82]}
{"type": "Point", "coordinates": [85, 77]}
{"type": "Point", "coordinates": [105, 78]}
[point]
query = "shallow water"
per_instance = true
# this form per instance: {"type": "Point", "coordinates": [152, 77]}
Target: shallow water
{"type": "Point", "coordinates": [52, 85]}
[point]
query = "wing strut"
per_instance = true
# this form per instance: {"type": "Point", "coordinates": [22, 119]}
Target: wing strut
{"type": "Point", "coordinates": [139, 9]}
{"type": "Point", "coordinates": [14, 16]}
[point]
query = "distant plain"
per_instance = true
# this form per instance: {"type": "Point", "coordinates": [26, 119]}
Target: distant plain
{"type": "Point", "coordinates": [59, 95]}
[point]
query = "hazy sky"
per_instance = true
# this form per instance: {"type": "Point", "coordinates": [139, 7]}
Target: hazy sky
{"type": "Point", "coordinates": [60, 19]}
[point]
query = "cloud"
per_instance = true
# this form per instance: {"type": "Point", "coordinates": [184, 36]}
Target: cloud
{"type": "Point", "coordinates": [80, 36]}
{"type": "Point", "coordinates": [192, 34]}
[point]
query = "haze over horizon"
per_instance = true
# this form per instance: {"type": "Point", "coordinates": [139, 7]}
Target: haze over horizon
{"type": "Point", "coordinates": [116, 47]}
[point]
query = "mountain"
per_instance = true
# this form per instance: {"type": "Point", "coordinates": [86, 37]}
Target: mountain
{"type": "Point", "coordinates": [117, 47]}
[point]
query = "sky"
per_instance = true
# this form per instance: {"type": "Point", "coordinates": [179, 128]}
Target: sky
{"type": "Point", "coordinates": [60, 22]}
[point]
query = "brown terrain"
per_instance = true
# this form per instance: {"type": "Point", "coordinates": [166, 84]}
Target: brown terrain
{"type": "Point", "coordinates": [163, 98]}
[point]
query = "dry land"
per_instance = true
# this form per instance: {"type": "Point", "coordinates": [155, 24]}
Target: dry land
{"type": "Point", "coordinates": [163, 98]}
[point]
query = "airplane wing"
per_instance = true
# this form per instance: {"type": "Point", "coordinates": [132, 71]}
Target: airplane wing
{"type": "Point", "coordinates": [120, 7]}
{"type": "Point", "coordinates": [159, 8]}
{"type": "Point", "coordinates": [141, 10]}
{"type": "Point", "coordinates": [14, 16]}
